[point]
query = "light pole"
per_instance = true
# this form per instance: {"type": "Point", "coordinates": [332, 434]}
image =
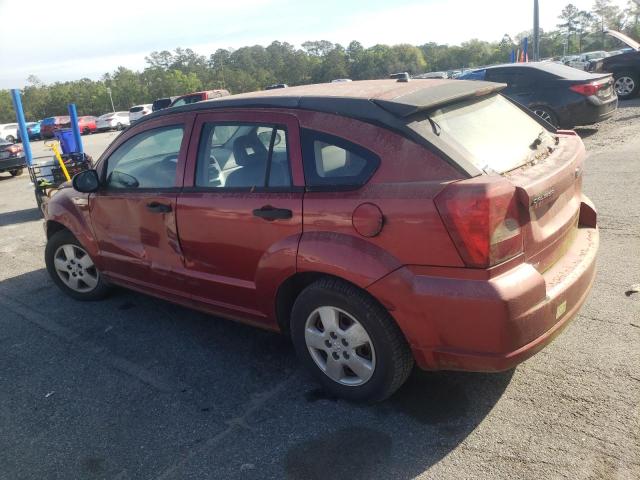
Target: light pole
{"type": "Point", "coordinates": [536, 31]}
{"type": "Point", "coordinates": [110, 98]}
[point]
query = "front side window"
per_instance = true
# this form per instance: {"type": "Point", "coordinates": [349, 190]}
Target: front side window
{"type": "Point", "coordinates": [331, 161]}
{"type": "Point", "coordinates": [237, 155]}
{"type": "Point", "coordinates": [148, 160]}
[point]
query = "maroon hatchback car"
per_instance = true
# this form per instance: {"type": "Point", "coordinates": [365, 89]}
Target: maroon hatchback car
{"type": "Point", "coordinates": [379, 223]}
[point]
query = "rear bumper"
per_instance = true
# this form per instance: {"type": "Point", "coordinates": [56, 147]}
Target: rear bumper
{"type": "Point", "coordinates": [592, 110]}
{"type": "Point", "coordinates": [457, 320]}
{"type": "Point", "coordinates": [12, 163]}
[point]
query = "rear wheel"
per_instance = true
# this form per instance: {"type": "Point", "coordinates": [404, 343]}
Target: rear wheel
{"type": "Point", "coordinates": [350, 342]}
{"type": "Point", "coordinates": [72, 268]}
{"type": "Point", "coordinates": [627, 85]}
{"type": "Point", "coordinates": [86, 131]}
{"type": "Point", "coordinates": [119, 126]}
{"type": "Point", "coordinates": [10, 139]}
{"type": "Point", "coordinates": [546, 114]}
{"type": "Point", "coordinates": [16, 172]}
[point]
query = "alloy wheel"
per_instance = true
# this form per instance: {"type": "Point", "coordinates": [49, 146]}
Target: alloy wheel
{"type": "Point", "coordinates": [340, 346]}
{"type": "Point", "coordinates": [75, 268]}
{"type": "Point", "coordinates": [624, 85]}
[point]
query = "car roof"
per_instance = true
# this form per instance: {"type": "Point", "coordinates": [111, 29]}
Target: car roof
{"type": "Point", "coordinates": [372, 100]}
{"type": "Point", "coordinates": [563, 71]}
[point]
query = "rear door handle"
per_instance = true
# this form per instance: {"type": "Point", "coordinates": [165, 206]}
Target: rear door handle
{"type": "Point", "coordinates": [271, 213]}
{"type": "Point", "coordinates": [157, 207]}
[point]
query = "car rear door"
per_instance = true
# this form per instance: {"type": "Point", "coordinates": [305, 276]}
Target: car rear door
{"type": "Point", "coordinates": [240, 212]}
{"type": "Point", "coordinates": [133, 214]}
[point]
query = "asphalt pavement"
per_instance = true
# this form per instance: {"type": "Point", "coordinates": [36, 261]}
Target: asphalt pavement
{"type": "Point", "coordinates": [136, 388]}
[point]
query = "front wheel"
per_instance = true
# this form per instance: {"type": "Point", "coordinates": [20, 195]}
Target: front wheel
{"type": "Point", "coordinates": [10, 139]}
{"type": "Point", "coordinates": [17, 171]}
{"type": "Point", "coordinates": [350, 342]}
{"type": "Point", "coordinates": [72, 269]}
{"type": "Point", "coordinates": [627, 85]}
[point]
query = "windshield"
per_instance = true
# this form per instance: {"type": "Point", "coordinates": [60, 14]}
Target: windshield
{"type": "Point", "coordinates": [492, 132]}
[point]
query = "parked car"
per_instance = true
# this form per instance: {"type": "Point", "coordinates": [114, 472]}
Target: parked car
{"type": "Point", "coordinates": [112, 121]}
{"type": "Point", "coordinates": [583, 60]}
{"type": "Point", "coordinates": [162, 103]}
{"type": "Point", "coordinates": [276, 85]}
{"type": "Point", "coordinates": [625, 67]}
{"type": "Point", "coordinates": [198, 97]}
{"type": "Point", "coordinates": [429, 75]}
{"type": "Point", "coordinates": [380, 224]}
{"type": "Point", "coordinates": [87, 124]}
{"type": "Point", "coordinates": [561, 95]}
{"type": "Point", "coordinates": [51, 124]}
{"type": "Point", "coordinates": [9, 132]}
{"type": "Point", "coordinates": [341, 80]}
{"type": "Point", "coordinates": [33, 130]}
{"type": "Point", "coordinates": [12, 158]}
{"type": "Point", "coordinates": [138, 111]}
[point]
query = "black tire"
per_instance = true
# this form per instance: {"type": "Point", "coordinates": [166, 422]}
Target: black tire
{"type": "Point", "coordinates": [393, 358]}
{"type": "Point", "coordinates": [119, 126]}
{"type": "Point", "coordinates": [16, 172]}
{"type": "Point", "coordinates": [86, 131]}
{"type": "Point", "coordinates": [627, 85]}
{"type": "Point", "coordinates": [65, 237]}
{"type": "Point", "coordinates": [546, 114]}
{"type": "Point", "coordinates": [10, 139]}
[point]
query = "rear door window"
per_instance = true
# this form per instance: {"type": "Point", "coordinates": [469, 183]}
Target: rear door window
{"type": "Point", "coordinates": [493, 133]}
{"type": "Point", "coordinates": [331, 161]}
{"type": "Point", "coordinates": [244, 156]}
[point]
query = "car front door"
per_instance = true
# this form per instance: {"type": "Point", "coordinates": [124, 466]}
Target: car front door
{"type": "Point", "coordinates": [240, 212]}
{"type": "Point", "coordinates": [133, 214]}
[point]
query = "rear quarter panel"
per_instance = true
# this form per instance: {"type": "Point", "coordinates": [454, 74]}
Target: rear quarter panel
{"type": "Point", "coordinates": [403, 188]}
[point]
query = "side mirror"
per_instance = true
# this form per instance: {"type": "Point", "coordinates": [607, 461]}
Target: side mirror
{"type": "Point", "coordinates": [86, 182]}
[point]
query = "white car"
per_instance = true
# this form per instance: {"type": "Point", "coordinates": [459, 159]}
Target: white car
{"type": "Point", "coordinates": [9, 132]}
{"type": "Point", "coordinates": [138, 111]}
{"type": "Point", "coordinates": [113, 121]}
{"type": "Point", "coordinates": [583, 61]}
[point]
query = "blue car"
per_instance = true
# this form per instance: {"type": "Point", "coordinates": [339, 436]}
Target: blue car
{"type": "Point", "coordinates": [33, 129]}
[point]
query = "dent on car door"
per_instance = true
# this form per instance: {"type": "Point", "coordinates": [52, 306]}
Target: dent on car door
{"type": "Point", "coordinates": [240, 213]}
{"type": "Point", "coordinates": [133, 215]}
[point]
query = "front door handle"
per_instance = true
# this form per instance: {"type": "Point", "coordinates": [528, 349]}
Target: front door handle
{"type": "Point", "coordinates": [271, 213]}
{"type": "Point", "coordinates": [157, 207]}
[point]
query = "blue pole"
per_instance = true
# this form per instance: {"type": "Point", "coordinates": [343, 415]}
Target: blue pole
{"type": "Point", "coordinates": [22, 125]}
{"type": "Point", "coordinates": [73, 115]}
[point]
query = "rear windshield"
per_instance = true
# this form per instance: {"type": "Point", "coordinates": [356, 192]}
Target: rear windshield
{"type": "Point", "coordinates": [136, 109]}
{"type": "Point", "coordinates": [492, 133]}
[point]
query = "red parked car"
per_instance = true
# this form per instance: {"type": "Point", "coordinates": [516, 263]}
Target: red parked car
{"type": "Point", "coordinates": [198, 97]}
{"type": "Point", "coordinates": [50, 125]}
{"type": "Point", "coordinates": [87, 124]}
{"type": "Point", "coordinates": [379, 223]}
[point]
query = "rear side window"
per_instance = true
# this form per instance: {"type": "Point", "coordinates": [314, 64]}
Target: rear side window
{"type": "Point", "coordinates": [331, 161]}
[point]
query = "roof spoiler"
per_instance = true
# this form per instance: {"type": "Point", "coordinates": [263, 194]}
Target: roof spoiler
{"type": "Point", "coordinates": [437, 96]}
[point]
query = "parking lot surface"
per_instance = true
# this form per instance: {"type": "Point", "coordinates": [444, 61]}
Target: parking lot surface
{"type": "Point", "coordinates": [135, 388]}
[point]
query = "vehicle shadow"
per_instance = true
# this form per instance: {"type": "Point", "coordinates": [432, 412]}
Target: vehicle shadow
{"type": "Point", "coordinates": [586, 132]}
{"type": "Point", "coordinates": [217, 372]}
{"type": "Point", "coordinates": [20, 216]}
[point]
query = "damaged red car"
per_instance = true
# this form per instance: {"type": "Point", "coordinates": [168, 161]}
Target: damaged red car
{"type": "Point", "coordinates": [380, 224]}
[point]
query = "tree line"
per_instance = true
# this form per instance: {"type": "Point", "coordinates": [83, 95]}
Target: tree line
{"type": "Point", "coordinates": [254, 67]}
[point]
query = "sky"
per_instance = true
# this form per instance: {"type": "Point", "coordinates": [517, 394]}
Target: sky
{"type": "Point", "coordinates": [78, 39]}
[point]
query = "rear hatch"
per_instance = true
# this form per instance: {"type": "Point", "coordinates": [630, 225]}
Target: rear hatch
{"type": "Point", "coordinates": [527, 200]}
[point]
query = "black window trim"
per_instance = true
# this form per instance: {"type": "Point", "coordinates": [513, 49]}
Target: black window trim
{"type": "Point", "coordinates": [262, 189]}
{"type": "Point", "coordinates": [309, 136]}
{"type": "Point", "coordinates": [104, 187]}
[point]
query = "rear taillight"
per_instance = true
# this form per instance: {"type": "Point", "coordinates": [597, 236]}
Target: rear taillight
{"type": "Point", "coordinates": [587, 89]}
{"type": "Point", "coordinates": [483, 220]}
